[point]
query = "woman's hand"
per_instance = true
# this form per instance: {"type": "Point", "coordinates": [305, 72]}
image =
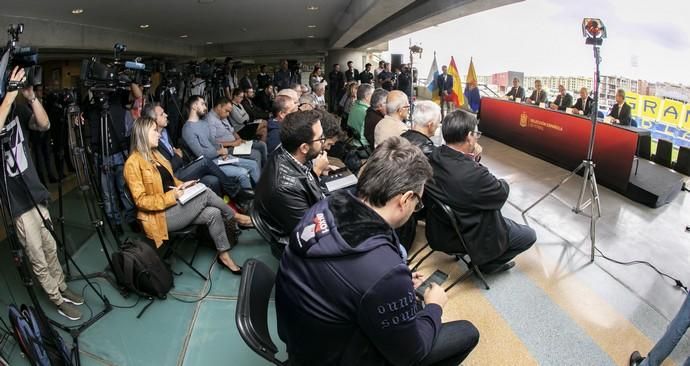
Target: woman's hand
{"type": "Point", "coordinates": [179, 191]}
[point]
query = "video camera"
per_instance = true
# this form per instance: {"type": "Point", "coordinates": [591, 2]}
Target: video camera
{"type": "Point", "coordinates": [208, 70]}
{"type": "Point", "coordinates": [115, 75]}
{"type": "Point", "coordinates": [22, 57]}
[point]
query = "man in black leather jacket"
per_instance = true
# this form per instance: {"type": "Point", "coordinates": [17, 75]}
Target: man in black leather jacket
{"type": "Point", "coordinates": [425, 120]}
{"type": "Point", "coordinates": [289, 184]}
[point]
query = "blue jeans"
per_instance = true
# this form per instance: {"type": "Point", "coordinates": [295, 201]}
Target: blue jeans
{"type": "Point", "coordinates": [679, 325]}
{"type": "Point", "coordinates": [211, 175]}
{"type": "Point", "coordinates": [259, 153]}
{"type": "Point", "coordinates": [245, 170]}
{"type": "Point", "coordinates": [113, 188]}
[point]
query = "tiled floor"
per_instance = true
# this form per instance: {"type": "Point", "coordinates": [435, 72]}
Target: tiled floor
{"type": "Point", "coordinates": [554, 308]}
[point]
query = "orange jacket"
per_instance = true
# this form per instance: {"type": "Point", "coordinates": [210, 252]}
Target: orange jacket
{"type": "Point", "coordinates": [146, 187]}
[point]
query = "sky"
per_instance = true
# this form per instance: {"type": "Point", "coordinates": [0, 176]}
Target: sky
{"type": "Point", "coordinates": [648, 40]}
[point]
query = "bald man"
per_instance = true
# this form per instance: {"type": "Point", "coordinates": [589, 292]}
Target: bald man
{"type": "Point", "coordinates": [583, 106]}
{"type": "Point", "coordinates": [393, 124]}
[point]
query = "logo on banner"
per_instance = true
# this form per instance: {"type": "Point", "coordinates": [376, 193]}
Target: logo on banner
{"type": "Point", "coordinates": [523, 120]}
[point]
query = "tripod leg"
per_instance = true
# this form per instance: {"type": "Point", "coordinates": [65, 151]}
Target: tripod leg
{"type": "Point", "coordinates": [567, 178]}
{"type": "Point", "coordinates": [585, 180]}
{"type": "Point", "coordinates": [596, 214]}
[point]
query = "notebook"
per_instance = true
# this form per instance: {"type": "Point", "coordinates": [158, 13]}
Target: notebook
{"type": "Point", "coordinates": [243, 149]}
{"type": "Point", "coordinates": [341, 182]}
{"type": "Point", "coordinates": [227, 161]}
{"type": "Point", "coordinates": [191, 192]}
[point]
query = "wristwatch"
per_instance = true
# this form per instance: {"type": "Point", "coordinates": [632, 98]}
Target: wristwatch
{"type": "Point", "coordinates": [31, 100]}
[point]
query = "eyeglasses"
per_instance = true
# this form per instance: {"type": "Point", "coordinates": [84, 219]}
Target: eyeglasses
{"type": "Point", "coordinates": [478, 134]}
{"type": "Point", "coordinates": [405, 107]}
{"type": "Point", "coordinates": [420, 205]}
{"type": "Point", "coordinates": [322, 139]}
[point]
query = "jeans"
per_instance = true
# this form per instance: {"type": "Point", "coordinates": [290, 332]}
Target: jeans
{"type": "Point", "coordinates": [679, 325]}
{"type": "Point", "coordinates": [113, 188]}
{"type": "Point", "coordinates": [205, 169]}
{"type": "Point", "coordinates": [454, 343]}
{"type": "Point", "coordinates": [259, 153]}
{"type": "Point", "coordinates": [520, 238]}
{"type": "Point", "coordinates": [245, 170]}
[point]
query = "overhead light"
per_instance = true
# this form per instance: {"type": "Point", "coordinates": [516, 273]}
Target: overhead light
{"type": "Point", "coordinates": [184, 36]}
{"type": "Point", "coordinates": [143, 26]}
{"type": "Point", "coordinates": [311, 36]}
{"type": "Point", "coordinates": [77, 11]}
{"type": "Point", "coordinates": [209, 43]}
{"type": "Point", "coordinates": [311, 26]}
{"type": "Point", "coordinates": [312, 8]}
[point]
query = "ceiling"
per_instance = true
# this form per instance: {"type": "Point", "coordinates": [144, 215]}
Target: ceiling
{"type": "Point", "coordinates": [203, 21]}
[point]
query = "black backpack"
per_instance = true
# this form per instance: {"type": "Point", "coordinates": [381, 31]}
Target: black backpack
{"type": "Point", "coordinates": [139, 269]}
{"type": "Point", "coordinates": [41, 344]}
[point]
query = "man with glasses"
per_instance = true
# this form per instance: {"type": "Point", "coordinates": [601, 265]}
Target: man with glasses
{"type": "Point", "coordinates": [476, 197]}
{"type": "Point", "coordinates": [344, 292]}
{"type": "Point", "coordinates": [290, 180]}
{"type": "Point", "coordinates": [393, 124]}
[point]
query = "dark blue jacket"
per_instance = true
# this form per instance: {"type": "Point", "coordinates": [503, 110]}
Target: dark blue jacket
{"type": "Point", "coordinates": [344, 294]}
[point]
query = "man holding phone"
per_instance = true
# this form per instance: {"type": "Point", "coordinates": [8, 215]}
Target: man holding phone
{"type": "Point", "coordinates": [344, 292]}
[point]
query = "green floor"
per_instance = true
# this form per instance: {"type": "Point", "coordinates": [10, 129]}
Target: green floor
{"type": "Point", "coordinates": [179, 331]}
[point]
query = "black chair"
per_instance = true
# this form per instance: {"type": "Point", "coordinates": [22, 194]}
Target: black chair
{"type": "Point", "coordinates": [644, 147]}
{"type": "Point", "coordinates": [168, 248]}
{"type": "Point", "coordinates": [251, 316]}
{"type": "Point", "coordinates": [683, 163]}
{"type": "Point", "coordinates": [261, 227]}
{"type": "Point", "coordinates": [664, 149]}
{"type": "Point", "coordinates": [458, 249]}
{"type": "Point", "coordinates": [175, 238]}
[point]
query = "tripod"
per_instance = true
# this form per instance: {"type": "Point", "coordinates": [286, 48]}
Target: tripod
{"type": "Point", "coordinates": [85, 181]}
{"type": "Point", "coordinates": [8, 221]}
{"type": "Point", "coordinates": [589, 182]}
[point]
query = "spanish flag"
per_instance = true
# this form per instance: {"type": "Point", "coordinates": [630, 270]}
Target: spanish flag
{"type": "Point", "coordinates": [456, 96]}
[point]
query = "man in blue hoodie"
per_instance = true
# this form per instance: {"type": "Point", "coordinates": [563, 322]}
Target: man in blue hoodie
{"type": "Point", "coordinates": [344, 293]}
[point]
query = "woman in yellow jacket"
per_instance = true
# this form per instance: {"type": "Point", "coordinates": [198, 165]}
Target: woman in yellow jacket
{"type": "Point", "coordinates": [155, 191]}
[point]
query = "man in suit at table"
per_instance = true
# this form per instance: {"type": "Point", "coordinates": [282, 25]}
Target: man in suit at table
{"type": "Point", "coordinates": [445, 88]}
{"type": "Point", "coordinates": [620, 113]}
{"type": "Point", "coordinates": [516, 93]}
{"type": "Point", "coordinates": [584, 103]}
{"type": "Point", "coordinates": [563, 100]}
{"type": "Point", "coordinates": [538, 95]}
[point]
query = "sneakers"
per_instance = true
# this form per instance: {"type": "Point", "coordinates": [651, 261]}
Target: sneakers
{"type": "Point", "coordinates": [497, 269]}
{"type": "Point", "coordinates": [69, 311]}
{"type": "Point", "coordinates": [72, 297]}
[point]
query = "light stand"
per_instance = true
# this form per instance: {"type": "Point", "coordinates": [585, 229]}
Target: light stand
{"type": "Point", "coordinates": [595, 32]}
{"type": "Point", "coordinates": [413, 50]}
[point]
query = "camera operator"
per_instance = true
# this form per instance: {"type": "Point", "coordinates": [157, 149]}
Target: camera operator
{"type": "Point", "coordinates": [110, 145]}
{"type": "Point", "coordinates": [24, 189]}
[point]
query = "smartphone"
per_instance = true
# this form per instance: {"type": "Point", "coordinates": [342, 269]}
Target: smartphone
{"type": "Point", "coordinates": [437, 277]}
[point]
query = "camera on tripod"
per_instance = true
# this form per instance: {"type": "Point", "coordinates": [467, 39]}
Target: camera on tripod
{"type": "Point", "coordinates": [22, 57]}
{"type": "Point", "coordinates": [114, 75]}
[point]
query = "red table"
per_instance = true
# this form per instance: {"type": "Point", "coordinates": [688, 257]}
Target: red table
{"type": "Point", "coordinates": [561, 138]}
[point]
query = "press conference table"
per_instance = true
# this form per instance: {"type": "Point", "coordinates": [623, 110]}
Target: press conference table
{"type": "Point", "coordinates": [562, 138]}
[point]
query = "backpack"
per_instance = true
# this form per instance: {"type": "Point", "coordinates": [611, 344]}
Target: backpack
{"type": "Point", "coordinates": [42, 345]}
{"type": "Point", "coordinates": [138, 268]}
